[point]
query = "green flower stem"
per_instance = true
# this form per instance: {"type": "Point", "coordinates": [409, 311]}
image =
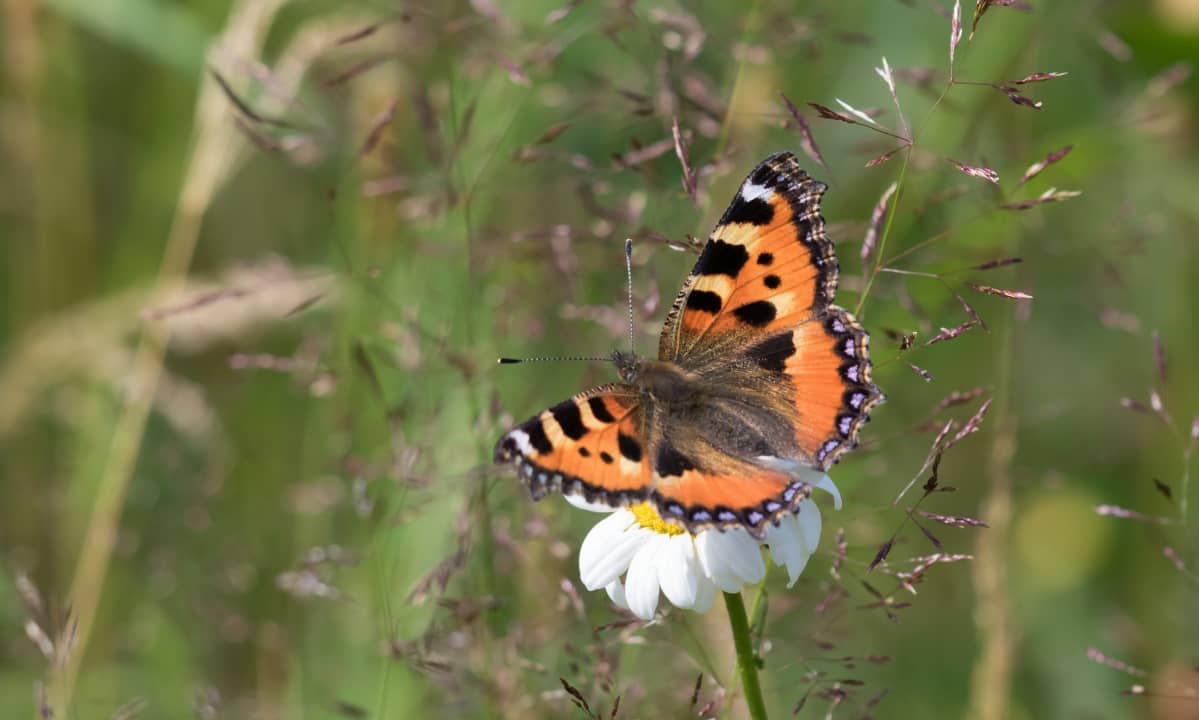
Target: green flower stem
{"type": "Point", "coordinates": [747, 659]}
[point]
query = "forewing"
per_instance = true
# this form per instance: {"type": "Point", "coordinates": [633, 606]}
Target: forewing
{"type": "Point", "coordinates": [755, 320]}
{"type": "Point", "coordinates": [767, 266]}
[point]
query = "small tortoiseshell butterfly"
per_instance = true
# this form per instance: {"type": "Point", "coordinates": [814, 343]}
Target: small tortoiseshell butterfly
{"type": "Point", "coordinates": [759, 380]}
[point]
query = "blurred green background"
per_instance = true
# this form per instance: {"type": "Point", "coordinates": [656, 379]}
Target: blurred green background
{"type": "Point", "coordinates": [247, 383]}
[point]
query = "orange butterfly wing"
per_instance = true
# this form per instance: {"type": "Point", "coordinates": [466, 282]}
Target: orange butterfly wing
{"type": "Point", "coordinates": [755, 318]}
{"type": "Point", "coordinates": [699, 487]}
{"type": "Point", "coordinates": [783, 378]}
{"type": "Point", "coordinates": [767, 266]}
{"type": "Point", "coordinates": [830, 377]}
{"type": "Point", "coordinates": [590, 446]}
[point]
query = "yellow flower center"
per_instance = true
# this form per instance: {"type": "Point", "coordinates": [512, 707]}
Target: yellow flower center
{"type": "Point", "coordinates": [649, 518]}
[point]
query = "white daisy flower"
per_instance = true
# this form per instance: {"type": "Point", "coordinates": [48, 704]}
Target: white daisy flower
{"type": "Point", "coordinates": [635, 555]}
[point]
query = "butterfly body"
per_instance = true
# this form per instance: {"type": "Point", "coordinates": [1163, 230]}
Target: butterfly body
{"type": "Point", "coordinates": [760, 382]}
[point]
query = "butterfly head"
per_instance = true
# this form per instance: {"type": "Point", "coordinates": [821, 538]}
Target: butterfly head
{"type": "Point", "coordinates": [661, 380]}
{"type": "Point", "coordinates": [628, 365]}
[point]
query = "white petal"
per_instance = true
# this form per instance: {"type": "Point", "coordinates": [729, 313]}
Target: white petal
{"type": "Point", "coordinates": [641, 583]}
{"type": "Point", "coordinates": [705, 593]}
{"type": "Point", "coordinates": [810, 524]}
{"type": "Point", "coordinates": [609, 548]}
{"type": "Point", "coordinates": [708, 548]}
{"type": "Point", "coordinates": [825, 483]}
{"type": "Point", "coordinates": [747, 557]}
{"type": "Point", "coordinates": [581, 503]}
{"type": "Point", "coordinates": [785, 540]}
{"type": "Point", "coordinates": [787, 544]}
{"type": "Point", "coordinates": [804, 473]}
{"type": "Point", "coordinates": [730, 558]}
{"type": "Point", "coordinates": [678, 571]}
{"type": "Point", "coordinates": [616, 593]}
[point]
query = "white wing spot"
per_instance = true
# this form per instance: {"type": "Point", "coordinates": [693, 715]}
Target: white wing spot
{"type": "Point", "coordinates": [751, 192]}
{"type": "Point", "coordinates": [521, 438]}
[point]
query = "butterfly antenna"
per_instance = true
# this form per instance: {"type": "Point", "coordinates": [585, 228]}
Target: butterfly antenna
{"type": "Point", "coordinates": [548, 358]}
{"type": "Point", "coordinates": [628, 266]}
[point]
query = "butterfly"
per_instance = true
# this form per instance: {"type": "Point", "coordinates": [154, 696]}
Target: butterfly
{"type": "Point", "coordinates": [760, 380]}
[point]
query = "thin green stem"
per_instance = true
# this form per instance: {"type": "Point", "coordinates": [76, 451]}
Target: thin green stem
{"type": "Point", "coordinates": [747, 659]}
{"type": "Point", "coordinates": [899, 188]}
{"type": "Point", "coordinates": [760, 594]}
{"type": "Point", "coordinates": [882, 244]}
{"type": "Point", "coordinates": [756, 609]}
{"type": "Point", "coordinates": [726, 123]}
{"type": "Point", "coordinates": [1186, 482]}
